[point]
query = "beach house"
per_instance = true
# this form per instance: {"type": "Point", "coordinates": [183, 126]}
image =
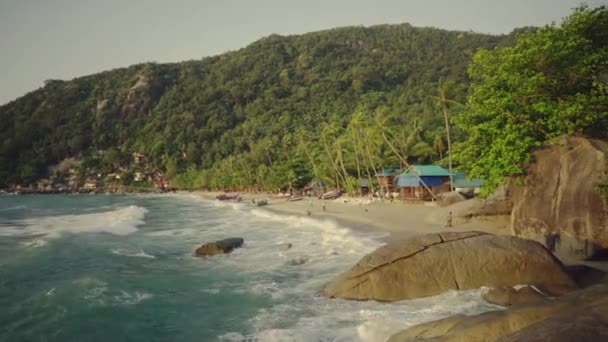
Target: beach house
{"type": "Point", "coordinates": [419, 181]}
{"type": "Point", "coordinates": [387, 179]}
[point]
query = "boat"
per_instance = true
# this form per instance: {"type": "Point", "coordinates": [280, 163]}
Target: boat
{"type": "Point", "coordinates": [261, 203]}
{"type": "Point", "coordinates": [295, 198]}
{"type": "Point", "coordinates": [331, 195]}
{"type": "Point", "coordinates": [228, 196]}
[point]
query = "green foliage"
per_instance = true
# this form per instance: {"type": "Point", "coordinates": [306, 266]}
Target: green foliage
{"type": "Point", "coordinates": [552, 82]}
{"type": "Point", "coordinates": [233, 120]}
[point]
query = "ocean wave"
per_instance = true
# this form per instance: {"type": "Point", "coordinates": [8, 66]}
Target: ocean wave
{"type": "Point", "coordinates": [126, 298]}
{"type": "Point", "coordinates": [371, 321]}
{"type": "Point", "coordinates": [121, 221]}
{"type": "Point", "coordinates": [17, 207]}
{"type": "Point", "coordinates": [127, 253]}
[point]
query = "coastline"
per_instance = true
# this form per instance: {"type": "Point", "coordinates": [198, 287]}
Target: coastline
{"type": "Point", "coordinates": [396, 219]}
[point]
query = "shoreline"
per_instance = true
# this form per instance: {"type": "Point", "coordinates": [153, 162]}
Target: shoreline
{"type": "Point", "coordinates": [396, 219]}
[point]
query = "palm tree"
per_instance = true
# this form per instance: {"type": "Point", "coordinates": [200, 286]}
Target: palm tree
{"type": "Point", "coordinates": [444, 102]}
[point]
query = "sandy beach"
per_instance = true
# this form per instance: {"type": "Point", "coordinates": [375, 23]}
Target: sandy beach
{"type": "Point", "coordinates": [399, 219]}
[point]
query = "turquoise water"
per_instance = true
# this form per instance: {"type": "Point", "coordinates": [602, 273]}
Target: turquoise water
{"type": "Point", "coordinates": [120, 268]}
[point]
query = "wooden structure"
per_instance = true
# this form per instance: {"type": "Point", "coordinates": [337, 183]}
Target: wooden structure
{"type": "Point", "coordinates": [387, 180]}
{"type": "Point", "coordinates": [413, 184]}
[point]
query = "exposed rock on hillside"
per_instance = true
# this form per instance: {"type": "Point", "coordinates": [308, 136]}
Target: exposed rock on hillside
{"type": "Point", "coordinates": [560, 204]}
{"type": "Point", "coordinates": [431, 264]}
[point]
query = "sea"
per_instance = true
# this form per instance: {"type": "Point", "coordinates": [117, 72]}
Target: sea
{"type": "Point", "coordinates": [121, 268]}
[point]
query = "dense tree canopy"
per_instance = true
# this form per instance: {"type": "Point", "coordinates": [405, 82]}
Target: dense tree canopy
{"type": "Point", "coordinates": [552, 82]}
{"type": "Point", "coordinates": [275, 113]}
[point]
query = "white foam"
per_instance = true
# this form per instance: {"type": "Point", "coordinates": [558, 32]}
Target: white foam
{"type": "Point", "coordinates": [359, 321]}
{"type": "Point", "coordinates": [126, 298]}
{"type": "Point", "coordinates": [17, 207]}
{"type": "Point", "coordinates": [138, 254]}
{"type": "Point", "coordinates": [121, 221]}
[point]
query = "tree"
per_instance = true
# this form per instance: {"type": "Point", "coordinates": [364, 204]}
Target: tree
{"type": "Point", "coordinates": [444, 102]}
{"type": "Point", "coordinates": [552, 82]}
{"type": "Point", "coordinates": [171, 168]}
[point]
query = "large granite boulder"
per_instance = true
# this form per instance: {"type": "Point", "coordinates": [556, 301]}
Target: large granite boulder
{"type": "Point", "coordinates": [507, 296]}
{"type": "Point", "coordinates": [497, 206]}
{"type": "Point", "coordinates": [431, 264]}
{"type": "Point", "coordinates": [219, 247]}
{"type": "Point", "coordinates": [449, 198]}
{"type": "Point", "coordinates": [560, 204]}
{"type": "Point", "coordinates": [578, 316]}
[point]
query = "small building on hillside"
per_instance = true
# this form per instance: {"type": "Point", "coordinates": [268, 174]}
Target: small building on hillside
{"type": "Point", "coordinates": [315, 188]}
{"type": "Point", "coordinates": [90, 184]}
{"type": "Point", "coordinates": [413, 184]}
{"type": "Point", "coordinates": [387, 179]}
{"type": "Point", "coordinates": [464, 184]}
{"type": "Point", "coordinates": [44, 185]}
{"type": "Point", "coordinates": [365, 186]}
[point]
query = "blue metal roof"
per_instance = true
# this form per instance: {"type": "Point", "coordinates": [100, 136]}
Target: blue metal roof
{"type": "Point", "coordinates": [461, 181]}
{"type": "Point", "coordinates": [407, 181]}
{"type": "Point", "coordinates": [429, 170]}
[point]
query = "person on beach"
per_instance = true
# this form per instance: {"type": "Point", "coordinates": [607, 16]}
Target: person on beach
{"type": "Point", "coordinates": [324, 204]}
{"type": "Point", "coordinates": [449, 223]}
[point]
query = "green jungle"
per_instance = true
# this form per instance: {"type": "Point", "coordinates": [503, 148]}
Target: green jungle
{"type": "Point", "coordinates": [335, 105]}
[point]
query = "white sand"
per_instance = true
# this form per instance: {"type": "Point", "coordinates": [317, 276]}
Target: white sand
{"type": "Point", "coordinates": [400, 219]}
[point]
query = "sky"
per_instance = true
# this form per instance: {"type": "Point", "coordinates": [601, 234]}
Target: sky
{"type": "Point", "coordinates": [63, 39]}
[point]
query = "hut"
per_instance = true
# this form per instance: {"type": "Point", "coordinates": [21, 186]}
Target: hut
{"type": "Point", "coordinates": [413, 184]}
{"type": "Point", "coordinates": [466, 186]}
{"type": "Point", "coordinates": [315, 188]}
{"type": "Point", "coordinates": [365, 186]}
{"type": "Point", "coordinates": [387, 179]}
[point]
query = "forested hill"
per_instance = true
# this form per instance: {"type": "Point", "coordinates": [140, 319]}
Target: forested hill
{"type": "Point", "coordinates": [252, 107]}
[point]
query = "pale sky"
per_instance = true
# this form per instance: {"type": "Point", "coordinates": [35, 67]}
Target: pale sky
{"type": "Point", "coordinates": [63, 39]}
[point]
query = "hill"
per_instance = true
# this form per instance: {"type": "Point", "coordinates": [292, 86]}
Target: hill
{"type": "Point", "coordinates": [250, 109]}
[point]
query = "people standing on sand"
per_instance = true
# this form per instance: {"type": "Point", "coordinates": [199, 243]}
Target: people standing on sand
{"type": "Point", "coordinates": [324, 204]}
{"type": "Point", "coordinates": [449, 224]}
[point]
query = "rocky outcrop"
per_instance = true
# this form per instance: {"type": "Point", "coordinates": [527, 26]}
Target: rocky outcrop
{"type": "Point", "coordinates": [219, 247]}
{"type": "Point", "coordinates": [431, 264]}
{"type": "Point", "coordinates": [507, 296]}
{"type": "Point", "coordinates": [578, 316]}
{"type": "Point", "coordinates": [560, 204]}
{"type": "Point", "coordinates": [449, 198]}
{"type": "Point", "coordinates": [497, 206]}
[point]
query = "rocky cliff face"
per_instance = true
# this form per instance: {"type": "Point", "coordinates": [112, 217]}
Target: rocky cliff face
{"type": "Point", "coordinates": [560, 204]}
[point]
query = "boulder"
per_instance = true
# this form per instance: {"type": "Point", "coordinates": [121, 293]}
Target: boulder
{"type": "Point", "coordinates": [448, 198]}
{"type": "Point", "coordinates": [431, 264]}
{"type": "Point", "coordinates": [507, 296]}
{"type": "Point", "coordinates": [578, 316]}
{"type": "Point", "coordinates": [560, 205]}
{"type": "Point", "coordinates": [497, 206]}
{"type": "Point", "coordinates": [219, 247]}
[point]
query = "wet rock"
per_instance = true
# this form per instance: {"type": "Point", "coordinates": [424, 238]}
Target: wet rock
{"type": "Point", "coordinates": [577, 316]}
{"type": "Point", "coordinates": [507, 296]}
{"type": "Point", "coordinates": [219, 247]}
{"type": "Point", "coordinates": [297, 261]}
{"type": "Point", "coordinates": [431, 264]}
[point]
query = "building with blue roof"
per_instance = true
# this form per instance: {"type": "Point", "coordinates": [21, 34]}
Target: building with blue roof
{"type": "Point", "coordinates": [419, 179]}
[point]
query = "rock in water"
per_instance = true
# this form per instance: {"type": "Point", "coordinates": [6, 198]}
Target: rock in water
{"type": "Point", "coordinates": [431, 264]}
{"type": "Point", "coordinates": [560, 204]}
{"type": "Point", "coordinates": [219, 247]}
